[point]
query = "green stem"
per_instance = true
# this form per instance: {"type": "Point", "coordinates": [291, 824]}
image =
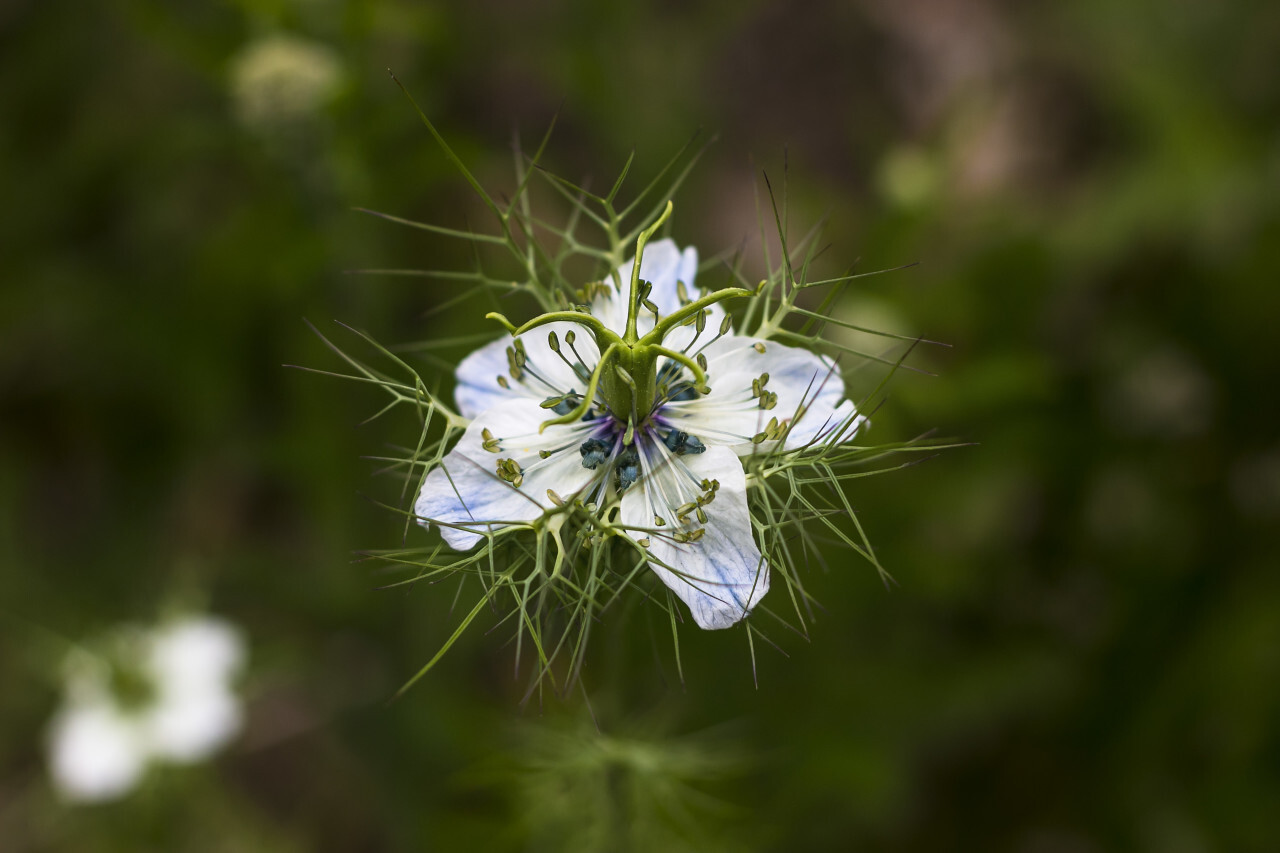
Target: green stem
{"type": "Point", "coordinates": [603, 334]}
{"type": "Point", "coordinates": [633, 303]}
{"type": "Point", "coordinates": [590, 395]}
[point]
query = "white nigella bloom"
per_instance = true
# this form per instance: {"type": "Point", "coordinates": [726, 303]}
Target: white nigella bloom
{"type": "Point", "coordinates": [653, 401]}
{"type": "Point", "coordinates": [160, 695]}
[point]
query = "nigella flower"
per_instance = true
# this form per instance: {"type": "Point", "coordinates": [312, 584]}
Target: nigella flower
{"type": "Point", "coordinates": [637, 406]}
{"type": "Point", "coordinates": [158, 695]}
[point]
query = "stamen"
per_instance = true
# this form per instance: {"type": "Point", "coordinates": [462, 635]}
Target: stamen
{"type": "Point", "coordinates": [579, 369]}
{"type": "Point", "coordinates": [725, 325]}
{"type": "Point", "coordinates": [527, 367]}
{"type": "Point", "coordinates": [771, 431]}
{"type": "Point", "coordinates": [768, 399]}
{"type": "Point", "coordinates": [518, 365]}
{"type": "Point", "coordinates": [510, 471]}
{"type": "Point", "coordinates": [699, 322]}
{"type": "Point", "coordinates": [513, 364]}
{"type": "Point", "coordinates": [562, 405]}
{"type": "Point", "coordinates": [490, 443]}
{"type": "Point", "coordinates": [569, 338]}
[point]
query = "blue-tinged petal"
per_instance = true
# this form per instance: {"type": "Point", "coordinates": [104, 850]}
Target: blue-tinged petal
{"type": "Point", "coordinates": [721, 575]}
{"type": "Point", "coordinates": [481, 375]}
{"type": "Point", "coordinates": [466, 490]}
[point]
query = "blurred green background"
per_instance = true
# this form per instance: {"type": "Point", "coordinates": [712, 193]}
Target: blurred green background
{"type": "Point", "coordinates": [1083, 649]}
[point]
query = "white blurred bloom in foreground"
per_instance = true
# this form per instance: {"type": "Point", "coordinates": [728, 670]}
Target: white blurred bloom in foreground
{"type": "Point", "coordinates": [156, 695]}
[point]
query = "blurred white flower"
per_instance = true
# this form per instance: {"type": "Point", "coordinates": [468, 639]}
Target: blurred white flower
{"type": "Point", "coordinates": [158, 695]}
{"type": "Point", "coordinates": [280, 81]}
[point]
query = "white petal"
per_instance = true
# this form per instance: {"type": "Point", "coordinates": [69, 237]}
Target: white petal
{"type": "Point", "coordinates": [808, 386]}
{"type": "Point", "coordinates": [195, 654]}
{"type": "Point", "coordinates": [95, 753]}
{"type": "Point", "coordinates": [720, 576]}
{"type": "Point", "coordinates": [478, 388]}
{"type": "Point", "coordinates": [477, 376]}
{"type": "Point", "coordinates": [187, 725]}
{"type": "Point", "coordinates": [729, 416]}
{"type": "Point", "coordinates": [466, 490]}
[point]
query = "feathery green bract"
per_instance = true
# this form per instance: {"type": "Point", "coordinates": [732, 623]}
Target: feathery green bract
{"type": "Point", "coordinates": [547, 582]}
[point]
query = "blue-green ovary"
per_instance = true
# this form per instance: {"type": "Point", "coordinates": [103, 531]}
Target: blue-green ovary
{"type": "Point", "coordinates": [595, 452]}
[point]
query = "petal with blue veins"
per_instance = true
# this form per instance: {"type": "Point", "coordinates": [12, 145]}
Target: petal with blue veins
{"type": "Point", "coordinates": [721, 576]}
{"type": "Point", "coordinates": [464, 494]}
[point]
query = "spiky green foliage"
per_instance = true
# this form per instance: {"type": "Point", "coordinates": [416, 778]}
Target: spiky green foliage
{"type": "Point", "coordinates": [574, 788]}
{"type": "Point", "coordinates": [548, 581]}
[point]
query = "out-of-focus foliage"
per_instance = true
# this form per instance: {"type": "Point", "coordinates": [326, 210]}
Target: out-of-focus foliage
{"type": "Point", "coordinates": [1082, 652]}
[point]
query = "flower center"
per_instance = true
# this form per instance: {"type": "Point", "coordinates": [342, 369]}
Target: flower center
{"type": "Point", "coordinates": [132, 688]}
{"type": "Point", "coordinates": [626, 374]}
{"type": "Point", "coordinates": [625, 463]}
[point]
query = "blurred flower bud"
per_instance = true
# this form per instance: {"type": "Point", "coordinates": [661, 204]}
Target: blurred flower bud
{"type": "Point", "coordinates": [280, 82]}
